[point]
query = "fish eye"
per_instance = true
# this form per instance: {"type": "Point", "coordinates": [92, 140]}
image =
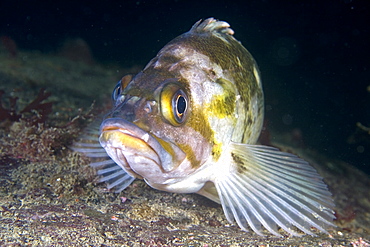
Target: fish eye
{"type": "Point", "coordinates": [174, 104]}
{"type": "Point", "coordinates": [179, 105]}
{"type": "Point", "coordinates": [117, 95]}
{"type": "Point", "coordinates": [116, 91]}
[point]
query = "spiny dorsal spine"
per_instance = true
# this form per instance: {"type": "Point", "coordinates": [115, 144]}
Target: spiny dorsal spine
{"type": "Point", "coordinates": [213, 26]}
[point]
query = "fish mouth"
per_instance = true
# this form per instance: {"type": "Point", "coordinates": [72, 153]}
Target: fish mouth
{"type": "Point", "coordinates": [132, 148]}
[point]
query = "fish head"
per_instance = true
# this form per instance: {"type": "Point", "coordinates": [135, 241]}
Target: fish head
{"type": "Point", "coordinates": [149, 132]}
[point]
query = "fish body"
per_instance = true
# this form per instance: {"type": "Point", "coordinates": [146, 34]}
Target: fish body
{"type": "Point", "coordinates": [189, 123]}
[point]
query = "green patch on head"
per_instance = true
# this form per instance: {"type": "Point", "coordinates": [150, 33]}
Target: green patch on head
{"type": "Point", "coordinates": [223, 105]}
{"type": "Point", "coordinates": [190, 155]}
{"type": "Point", "coordinates": [216, 151]}
{"type": "Point", "coordinates": [199, 122]}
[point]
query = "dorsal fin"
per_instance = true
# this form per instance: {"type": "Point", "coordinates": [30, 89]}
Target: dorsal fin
{"type": "Point", "coordinates": [213, 26]}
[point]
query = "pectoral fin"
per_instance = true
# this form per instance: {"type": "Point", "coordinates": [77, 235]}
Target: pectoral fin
{"type": "Point", "coordinates": [209, 190]}
{"type": "Point", "coordinates": [111, 173]}
{"type": "Point", "coordinates": [270, 188]}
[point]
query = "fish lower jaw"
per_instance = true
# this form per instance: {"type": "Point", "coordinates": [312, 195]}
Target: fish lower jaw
{"type": "Point", "coordinates": [136, 164]}
{"type": "Point", "coordinates": [119, 158]}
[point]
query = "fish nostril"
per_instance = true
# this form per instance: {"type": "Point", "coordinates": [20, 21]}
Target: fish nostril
{"type": "Point", "coordinates": [148, 108]}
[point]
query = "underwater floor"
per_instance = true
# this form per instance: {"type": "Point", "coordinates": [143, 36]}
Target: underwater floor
{"type": "Point", "coordinates": [49, 195]}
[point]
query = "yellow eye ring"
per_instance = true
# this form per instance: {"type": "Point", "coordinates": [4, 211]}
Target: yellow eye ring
{"type": "Point", "coordinates": [174, 104]}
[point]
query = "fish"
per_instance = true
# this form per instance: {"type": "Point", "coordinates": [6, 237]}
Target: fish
{"type": "Point", "coordinates": [189, 122]}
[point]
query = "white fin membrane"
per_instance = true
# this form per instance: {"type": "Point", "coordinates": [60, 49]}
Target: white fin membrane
{"type": "Point", "coordinates": [108, 171]}
{"type": "Point", "coordinates": [271, 188]}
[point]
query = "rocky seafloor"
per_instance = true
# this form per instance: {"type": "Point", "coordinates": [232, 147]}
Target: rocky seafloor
{"type": "Point", "coordinates": [49, 195]}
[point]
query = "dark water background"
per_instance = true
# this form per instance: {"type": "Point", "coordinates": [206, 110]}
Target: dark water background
{"type": "Point", "coordinates": [314, 56]}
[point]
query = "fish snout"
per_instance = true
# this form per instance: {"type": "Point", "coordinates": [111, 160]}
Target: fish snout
{"type": "Point", "coordinates": [132, 147]}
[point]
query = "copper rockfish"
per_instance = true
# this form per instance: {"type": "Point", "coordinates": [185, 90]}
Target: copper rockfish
{"type": "Point", "coordinates": [189, 123]}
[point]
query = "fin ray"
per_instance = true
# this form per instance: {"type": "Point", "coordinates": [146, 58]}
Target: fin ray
{"type": "Point", "coordinates": [314, 190]}
{"type": "Point", "coordinates": [270, 188]}
{"type": "Point", "coordinates": [213, 26]}
{"type": "Point", "coordinates": [110, 172]}
{"type": "Point", "coordinates": [101, 163]}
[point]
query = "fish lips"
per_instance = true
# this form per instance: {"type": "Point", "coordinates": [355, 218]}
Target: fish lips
{"type": "Point", "coordinates": [132, 148]}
